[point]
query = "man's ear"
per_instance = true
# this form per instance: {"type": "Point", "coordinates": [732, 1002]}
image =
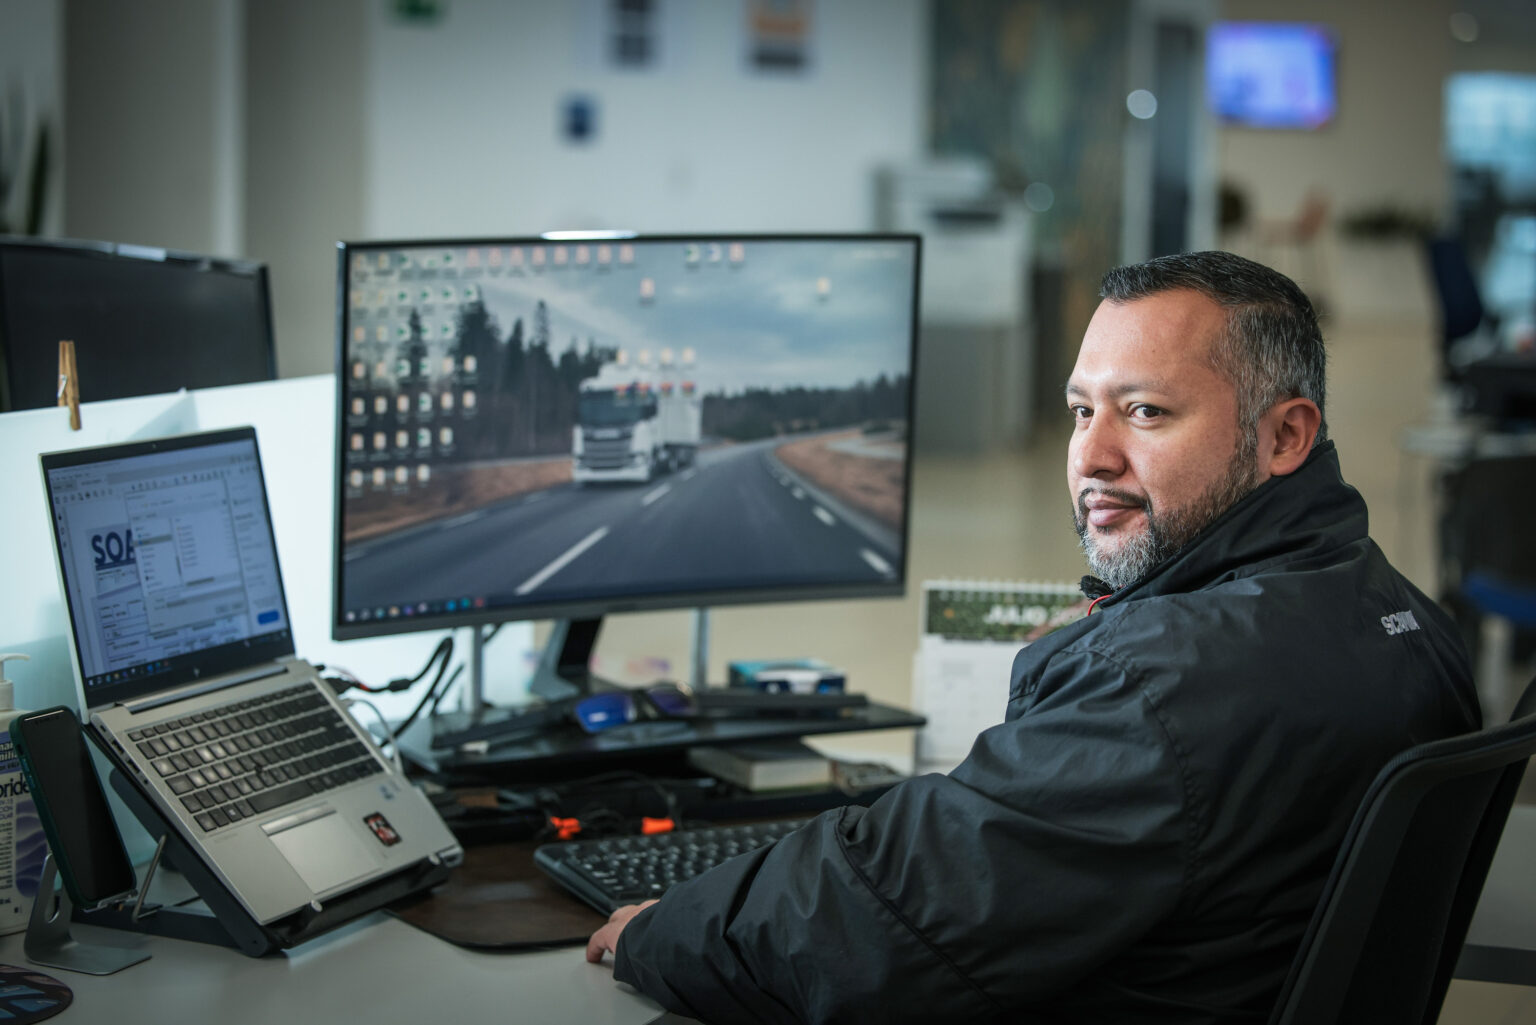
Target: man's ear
{"type": "Point", "coordinates": [1292, 425]}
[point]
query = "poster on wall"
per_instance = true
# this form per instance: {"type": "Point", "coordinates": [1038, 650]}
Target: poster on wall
{"type": "Point", "coordinates": [630, 36]}
{"type": "Point", "coordinates": [779, 36]}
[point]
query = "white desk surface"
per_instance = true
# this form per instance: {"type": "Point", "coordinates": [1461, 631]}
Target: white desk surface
{"type": "Point", "coordinates": [378, 970]}
{"type": "Point", "coordinates": [385, 972]}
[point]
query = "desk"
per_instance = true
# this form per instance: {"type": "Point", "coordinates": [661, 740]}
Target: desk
{"type": "Point", "coordinates": [383, 971]}
{"type": "Point", "coordinates": [1501, 942]}
{"type": "Point", "coordinates": [377, 970]}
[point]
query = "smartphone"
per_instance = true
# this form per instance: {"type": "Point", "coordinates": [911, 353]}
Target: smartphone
{"type": "Point", "coordinates": [86, 845]}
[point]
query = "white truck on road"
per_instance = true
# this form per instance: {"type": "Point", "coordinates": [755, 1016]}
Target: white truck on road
{"type": "Point", "coordinates": [636, 420]}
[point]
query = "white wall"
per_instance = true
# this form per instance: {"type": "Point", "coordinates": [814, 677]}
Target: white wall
{"type": "Point", "coordinates": [154, 96]}
{"type": "Point", "coordinates": [361, 126]}
{"type": "Point", "coordinates": [305, 180]}
{"type": "Point", "coordinates": [463, 117]}
{"type": "Point", "coordinates": [1383, 147]}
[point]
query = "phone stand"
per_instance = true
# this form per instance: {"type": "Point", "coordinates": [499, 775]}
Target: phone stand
{"type": "Point", "coordinates": [49, 943]}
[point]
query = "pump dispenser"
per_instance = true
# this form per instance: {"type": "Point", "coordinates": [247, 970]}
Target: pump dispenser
{"type": "Point", "coordinates": [22, 844]}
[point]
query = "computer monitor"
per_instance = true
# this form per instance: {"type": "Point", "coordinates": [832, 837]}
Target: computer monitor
{"type": "Point", "coordinates": [143, 320]}
{"type": "Point", "coordinates": [1271, 74]}
{"type": "Point", "coordinates": [535, 428]}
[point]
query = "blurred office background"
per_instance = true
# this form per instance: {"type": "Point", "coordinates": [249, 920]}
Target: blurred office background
{"type": "Point", "coordinates": [1034, 143]}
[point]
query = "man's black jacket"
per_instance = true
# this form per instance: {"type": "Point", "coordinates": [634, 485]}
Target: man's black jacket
{"type": "Point", "coordinates": [1144, 838]}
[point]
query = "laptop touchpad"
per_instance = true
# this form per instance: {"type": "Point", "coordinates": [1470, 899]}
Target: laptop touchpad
{"type": "Point", "coordinates": [325, 852]}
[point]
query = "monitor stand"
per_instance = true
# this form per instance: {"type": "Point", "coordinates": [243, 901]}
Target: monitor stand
{"type": "Point", "coordinates": [561, 676]}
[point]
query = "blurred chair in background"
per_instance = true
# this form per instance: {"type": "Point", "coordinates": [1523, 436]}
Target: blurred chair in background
{"type": "Point", "coordinates": [1294, 246]}
{"type": "Point", "coordinates": [1467, 331]}
{"type": "Point", "coordinates": [1488, 565]}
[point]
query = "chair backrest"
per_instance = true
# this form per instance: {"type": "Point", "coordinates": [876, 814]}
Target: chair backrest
{"type": "Point", "coordinates": [1461, 305]}
{"type": "Point", "coordinates": [1395, 910]}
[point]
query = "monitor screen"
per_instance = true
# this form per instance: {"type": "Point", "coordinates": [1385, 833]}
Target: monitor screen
{"type": "Point", "coordinates": [533, 428]}
{"type": "Point", "coordinates": [144, 321]}
{"type": "Point", "coordinates": [1270, 74]}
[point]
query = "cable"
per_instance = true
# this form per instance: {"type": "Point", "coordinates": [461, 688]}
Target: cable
{"type": "Point", "coordinates": [445, 649]}
{"type": "Point", "coordinates": [447, 688]}
{"type": "Point", "coordinates": [343, 679]}
{"type": "Point", "coordinates": [394, 746]}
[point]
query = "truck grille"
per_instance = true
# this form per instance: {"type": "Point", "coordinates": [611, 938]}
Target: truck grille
{"type": "Point", "coordinates": [606, 453]}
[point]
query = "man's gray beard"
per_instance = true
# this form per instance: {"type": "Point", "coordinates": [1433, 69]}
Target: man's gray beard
{"type": "Point", "coordinates": [1166, 533]}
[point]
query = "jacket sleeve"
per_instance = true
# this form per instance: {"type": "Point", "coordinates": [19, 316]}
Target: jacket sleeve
{"type": "Point", "coordinates": [1061, 839]}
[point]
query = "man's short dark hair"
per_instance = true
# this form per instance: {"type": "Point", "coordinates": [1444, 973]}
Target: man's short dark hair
{"type": "Point", "coordinates": [1272, 348]}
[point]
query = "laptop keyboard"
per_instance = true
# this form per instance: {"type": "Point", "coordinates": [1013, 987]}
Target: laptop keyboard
{"type": "Point", "coordinates": [229, 764]}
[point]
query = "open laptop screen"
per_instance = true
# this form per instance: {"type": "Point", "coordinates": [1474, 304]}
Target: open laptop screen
{"type": "Point", "coordinates": [168, 562]}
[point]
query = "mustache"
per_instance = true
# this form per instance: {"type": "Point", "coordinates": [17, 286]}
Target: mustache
{"type": "Point", "coordinates": [1114, 494]}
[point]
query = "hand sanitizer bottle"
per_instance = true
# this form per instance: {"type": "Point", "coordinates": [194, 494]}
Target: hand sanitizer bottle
{"type": "Point", "coordinates": [22, 844]}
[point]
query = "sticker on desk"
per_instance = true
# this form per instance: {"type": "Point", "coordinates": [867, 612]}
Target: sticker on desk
{"type": "Point", "coordinates": [382, 829]}
{"type": "Point", "coordinates": [27, 996]}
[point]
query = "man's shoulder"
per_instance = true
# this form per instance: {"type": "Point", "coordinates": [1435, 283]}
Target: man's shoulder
{"type": "Point", "coordinates": [1266, 633]}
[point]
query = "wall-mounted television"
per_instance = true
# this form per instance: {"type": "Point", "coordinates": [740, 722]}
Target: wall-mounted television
{"type": "Point", "coordinates": [1265, 74]}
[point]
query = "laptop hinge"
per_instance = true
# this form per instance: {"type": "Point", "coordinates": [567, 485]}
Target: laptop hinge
{"type": "Point", "coordinates": [152, 702]}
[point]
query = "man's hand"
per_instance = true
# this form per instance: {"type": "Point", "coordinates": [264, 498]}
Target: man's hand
{"type": "Point", "coordinates": [606, 939]}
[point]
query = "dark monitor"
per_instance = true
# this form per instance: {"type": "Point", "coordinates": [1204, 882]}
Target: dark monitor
{"type": "Point", "coordinates": [144, 321]}
{"type": "Point", "coordinates": [538, 428]}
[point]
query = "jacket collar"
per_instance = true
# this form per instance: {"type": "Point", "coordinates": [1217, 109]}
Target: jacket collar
{"type": "Point", "coordinates": [1310, 509]}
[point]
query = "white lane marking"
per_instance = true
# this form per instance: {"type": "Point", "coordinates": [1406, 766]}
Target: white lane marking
{"type": "Point", "coordinates": [654, 495]}
{"type": "Point", "coordinates": [459, 521]}
{"type": "Point", "coordinates": [824, 516]}
{"type": "Point", "coordinates": [355, 553]}
{"type": "Point", "coordinates": [537, 496]}
{"type": "Point", "coordinates": [690, 475]}
{"type": "Point", "coordinates": [564, 560]}
{"type": "Point", "coordinates": [881, 566]}
{"type": "Point", "coordinates": [798, 493]}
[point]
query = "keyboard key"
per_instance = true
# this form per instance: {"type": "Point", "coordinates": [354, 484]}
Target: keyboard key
{"type": "Point", "coordinates": [279, 796]}
{"type": "Point", "coordinates": [179, 785]}
{"type": "Point", "coordinates": [206, 820]}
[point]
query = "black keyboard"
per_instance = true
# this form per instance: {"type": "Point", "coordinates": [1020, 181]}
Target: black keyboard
{"type": "Point", "coordinates": [628, 869]}
{"type": "Point", "coordinates": [229, 764]}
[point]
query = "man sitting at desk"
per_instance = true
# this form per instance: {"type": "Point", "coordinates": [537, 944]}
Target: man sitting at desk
{"type": "Point", "coordinates": [1146, 835]}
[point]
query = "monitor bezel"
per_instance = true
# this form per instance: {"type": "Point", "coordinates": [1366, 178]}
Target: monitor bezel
{"type": "Point", "coordinates": [597, 608]}
{"type": "Point", "coordinates": [119, 252]}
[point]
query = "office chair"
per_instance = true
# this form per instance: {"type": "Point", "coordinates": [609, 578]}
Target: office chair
{"type": "Point", "coordinates": [1394, 913]}
{"type": "Point", "coordinates": [1488, 564]}
{"type": "Point", "coordinates": [1467, 332]}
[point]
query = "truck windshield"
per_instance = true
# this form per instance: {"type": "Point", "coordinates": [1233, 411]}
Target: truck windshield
{"type": "Point", "coordinates": [609, 409]}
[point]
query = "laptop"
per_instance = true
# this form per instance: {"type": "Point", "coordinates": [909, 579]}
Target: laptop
{"type": "Point", "coordinates": [184, 652]}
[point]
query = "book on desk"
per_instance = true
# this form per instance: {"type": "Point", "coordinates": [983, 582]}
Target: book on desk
{"type": "Point", "coordinates": [764, 765]}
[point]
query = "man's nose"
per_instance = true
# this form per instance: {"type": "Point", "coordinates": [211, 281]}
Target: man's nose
{"type": "Point", "coordinates": [1096, 450]}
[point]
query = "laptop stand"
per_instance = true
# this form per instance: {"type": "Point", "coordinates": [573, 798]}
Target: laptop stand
{"type": "Point", "coordinates": [225, 921]}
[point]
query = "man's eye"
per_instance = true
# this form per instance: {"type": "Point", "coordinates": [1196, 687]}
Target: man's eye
{"type": "Point", "coordinates": [1080, 412]}
{"type": "Point", "coordinates": [1142, 411]}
